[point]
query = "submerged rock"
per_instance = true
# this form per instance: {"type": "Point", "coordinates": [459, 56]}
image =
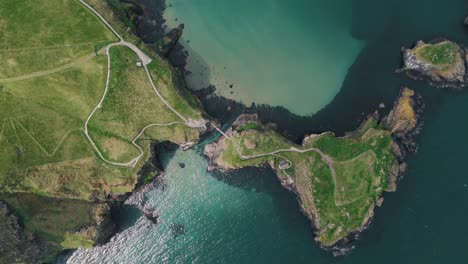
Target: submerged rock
{"type": "Point", "coordinates": [151, 215]}
{"type": "Point", "coordinates": [442, 63]}
{"type": "Point", "coordinates": [178, 230]}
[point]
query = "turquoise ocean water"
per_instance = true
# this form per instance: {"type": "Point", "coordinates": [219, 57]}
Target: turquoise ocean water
{"type": "Point", "coordinates": [247, 217]}
{"type": "Point", "coordinates": [263, 48]}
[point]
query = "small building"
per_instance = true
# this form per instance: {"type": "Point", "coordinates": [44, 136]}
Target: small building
{"type": "Point", "coordinates": [284, 164]}
{"type": "Point", "coordinates": [139, 64]}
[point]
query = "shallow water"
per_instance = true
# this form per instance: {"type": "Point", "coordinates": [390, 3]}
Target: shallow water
{"type": "Point", "coordinates": [292, 54]}
{"type": "Point", "coordinates": [220, 216]}
{"type": "Point", "coordinates": [249, 218]}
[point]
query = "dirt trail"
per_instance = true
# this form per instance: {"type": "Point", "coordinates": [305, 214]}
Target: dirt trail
{"type": "Point", "coordinates": [145, 61]}
{"type": "Point", "coordinates": [325, 158]}
{"type": "Point", "coordinates": [51, 71]}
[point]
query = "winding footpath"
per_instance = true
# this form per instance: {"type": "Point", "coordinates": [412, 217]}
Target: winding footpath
{"type": "Point", "coordinates": [51, 71]}
{"type": "Point", "coordinates": [325, 158]}
{"type": "Point", "coordinates": [145, 59]}
{"type": "Point", "coordinates": [190, 123]}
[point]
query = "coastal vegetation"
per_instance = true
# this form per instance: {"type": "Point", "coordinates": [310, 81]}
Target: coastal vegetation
{"type": "Point", "coordinates": [131, 105]}
{"type": "Point", "coordinates": [42, 35]}
{"type": "Point", "coordinates": [345, 176]}
{"type": "Point", "coordinates": [339, 180]}
{"type": "Point", "coordinates": [54, 75]}
{"type": "Point", "coordinates": [249, 126]}
{"type": "Point", "coordinates": [442, 62]}
{"type": "Point", "coordinates": [443, 53]}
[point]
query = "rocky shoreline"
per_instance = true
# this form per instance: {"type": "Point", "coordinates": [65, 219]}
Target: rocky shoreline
{"type": "Point", "coordinates": [289, 124]}
{"type": "Point", "coordinates": [404, 122]}
{"type": "Point", "coordinates": [425, 61]}
{"type": "Point", "coordinates": [404, 137]}
{"type": "Point", "coordinates": [16, 244]}
{"type": "Point", "coordinates": [404, 141]}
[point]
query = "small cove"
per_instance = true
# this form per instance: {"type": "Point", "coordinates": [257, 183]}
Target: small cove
{"type": "Point", "coordinates": [263, 49]}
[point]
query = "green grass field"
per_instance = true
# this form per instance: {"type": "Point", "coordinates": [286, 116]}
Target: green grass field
{"type": "Point", "coordinates": [444, 53]}
{"type": "Point", "coordinates": [130, 105]}
{"type": "Point", "coordinates": [41, 122]}
{"type": "Point", "coordinates": [361, 162]}
{"type": "Point", "coordinates": [47, 91]}
{"type": "Point", "coordinates": [41, 118]}
{"type": "Point", "coordinates": [249, 126]}
{"type": "Point", "coordinates": [44, 34]}
{"type": "Point", "coordinates": [353, 178]}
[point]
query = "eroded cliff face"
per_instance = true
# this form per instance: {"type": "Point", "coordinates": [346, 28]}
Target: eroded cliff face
{"type": "Point", "coordinates": [102, 225]}
{"type": "Point", "coordinates": [404, 121]}
{"type": "Point", "coordinates": [403, 118]}
{"type": "Point", "coordinates": [441, 62]}
{"type": "Point", "coordinates": [16, 244]}
{"type": "Point", "coordinates": [35, 228]}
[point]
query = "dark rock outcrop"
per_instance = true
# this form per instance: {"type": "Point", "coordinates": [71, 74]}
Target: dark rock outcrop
{"type": "Point", "coordinates": [166, 44]}
{"type": "Point", "coordinates": [403, 118]}
{"type": "Point", "coordinates": [151, 215]}
{"type": "Point", "coordinates": [16, 244]}
{"type": "Point", "coordinates": [404, 122]}
{"type": "Point", "coordinates": [104, 222]}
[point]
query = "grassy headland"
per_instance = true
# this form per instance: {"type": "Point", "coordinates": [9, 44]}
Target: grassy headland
{"type": "Point", "coordinates": [41, 35]}
{"type": "Point", "coordinates": [344, 188]}
{"type": "Point", "coordinates": [47, 91]}
{"type": "Point", "coordinates": [339, 180]}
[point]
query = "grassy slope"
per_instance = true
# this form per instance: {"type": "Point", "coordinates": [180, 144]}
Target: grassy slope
{"type": "Point", "coordinates": [131, 105]}
{"type": "Point", "coordinates": [361, 162]}
{"type": "Point", "coordinates": [52, 219]}
{"type": "Point", "coordinates": [43, 152]}
{"type": "Point", "coordinates": [163, 75]}
{"type": "Point", "coordinates": [44, 34]}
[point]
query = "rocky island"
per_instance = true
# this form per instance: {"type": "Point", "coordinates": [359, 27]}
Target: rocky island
{"type": "Point", "coordinates": [441, 62]}
{"type": "Point", "coordinates": [338, 180]}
